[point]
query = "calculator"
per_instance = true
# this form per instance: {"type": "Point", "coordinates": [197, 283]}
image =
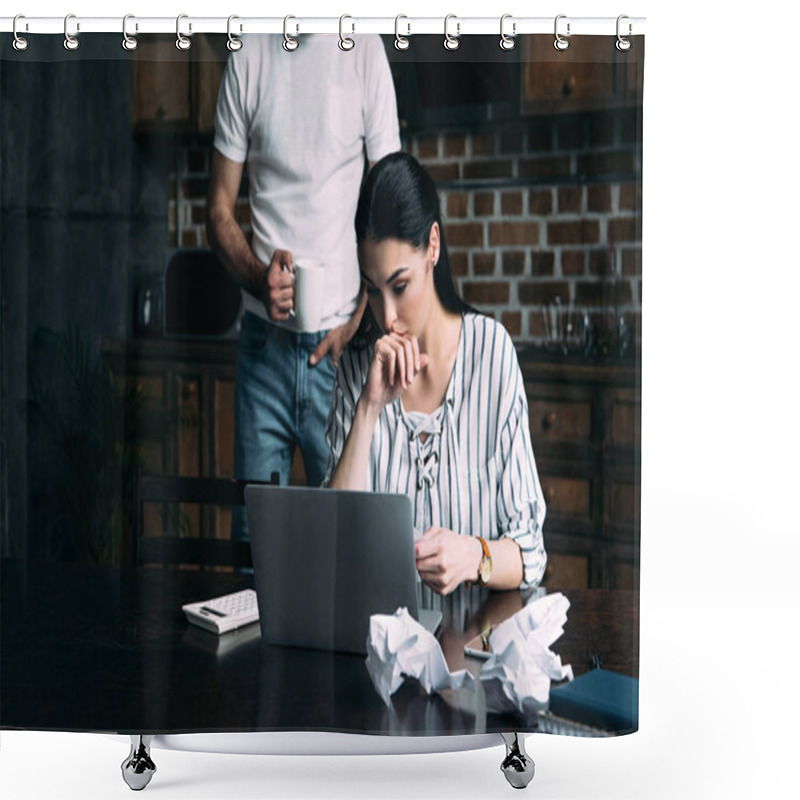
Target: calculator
{"type": "Point", "coordinates": [226, 613]}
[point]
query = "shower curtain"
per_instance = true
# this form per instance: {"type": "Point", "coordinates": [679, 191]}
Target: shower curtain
{"type": "Point", "coordinates": [117, 361]}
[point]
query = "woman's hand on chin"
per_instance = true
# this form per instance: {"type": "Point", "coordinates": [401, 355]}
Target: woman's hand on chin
{"type": "Point", "coordinates": [445, 559]}
{"type": "Point", "coordinates": [395, 364]}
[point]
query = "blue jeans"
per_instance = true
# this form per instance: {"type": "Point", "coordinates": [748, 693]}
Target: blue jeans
{"type": "Point", "coordinates": [281, 402]}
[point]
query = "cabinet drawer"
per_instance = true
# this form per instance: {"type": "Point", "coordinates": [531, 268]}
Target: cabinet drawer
{"type": "Point", "coordinates": [173, 91]}
{"type": "Point", "coordinates": [621, 501]}
{"type": "Point", "coordinates": [566, 571]}
{"type": "Point", "coordinates": [584, 77]}
{"type": "Point", "coordinates": [567, 496]}
{"type": "Point", "coordinates": [555, 420]}
{"type": "Point", "coordinates": [625, 575]}
{"type": "Point", "coordinates": [625, 502]}
{"type": "Point", "coordinates": [623, 418]}
{"type": "Point", "coordinates": [161, 85]}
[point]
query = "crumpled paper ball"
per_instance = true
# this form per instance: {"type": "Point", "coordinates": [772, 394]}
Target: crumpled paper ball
{"type": "Point", "coordinates": [518, 673]}
{"type": "Point", "coordinates": [399, 647]}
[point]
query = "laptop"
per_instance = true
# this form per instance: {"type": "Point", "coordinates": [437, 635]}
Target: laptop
{"type": "Point", "coordinates": [325, 560]}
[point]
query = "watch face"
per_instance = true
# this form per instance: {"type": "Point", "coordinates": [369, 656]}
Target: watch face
{"type": "Point", "coordinates": [485, 571]}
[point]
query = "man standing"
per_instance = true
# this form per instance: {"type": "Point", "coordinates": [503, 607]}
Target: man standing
{"type": "Point", "coordinates": [303, 122]}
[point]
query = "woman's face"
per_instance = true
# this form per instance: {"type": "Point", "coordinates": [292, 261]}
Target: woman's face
{"type": "Point", "coordinates": [399, 281]}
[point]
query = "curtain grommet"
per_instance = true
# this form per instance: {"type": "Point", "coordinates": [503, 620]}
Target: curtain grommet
{"type": "Point", "coordinates": [623, 43]}
{"type": "Point", "coordinates": [234, 44]}
{"type": "Point", "coordinates": [561, 43]}
{"type": "Point", "coordinates": [20, 43]}
{"type": "Point", "coordinates": [507, 42]}
{"type": "Point", "coordinates": [289, 44]}
{"type": "Point", "coordinates": [451, 42]}
{"type": "Point", "coordinates": [182, 42]}
{"type": "Point", "coordinates": [129, 43]}
{"type": "Point", "coordinates": [346, 43]}
{"type": "Point", "coordinates": [71, 43]}
{"type": "Point", "coordinates": [401, 42]}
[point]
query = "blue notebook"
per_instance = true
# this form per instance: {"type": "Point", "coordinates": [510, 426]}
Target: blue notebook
{"type": "Point", "coordinates": [600, 698]}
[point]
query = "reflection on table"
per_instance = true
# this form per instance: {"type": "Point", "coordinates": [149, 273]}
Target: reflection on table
{"type": "Point", "coordinates": [109, 649]}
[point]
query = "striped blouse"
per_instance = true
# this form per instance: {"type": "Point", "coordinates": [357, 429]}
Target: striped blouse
{"type": "Point", "coordinates": [474, 473]}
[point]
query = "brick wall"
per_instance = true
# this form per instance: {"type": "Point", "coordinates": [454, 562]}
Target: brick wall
{"type": "Point", "coordinates": [187, 198]}
{"type": "Point", "coordinates": [532, 212]}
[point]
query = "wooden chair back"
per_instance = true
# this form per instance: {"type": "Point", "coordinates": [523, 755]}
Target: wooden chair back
{"type": "Point", "coordinates": [171, 549]}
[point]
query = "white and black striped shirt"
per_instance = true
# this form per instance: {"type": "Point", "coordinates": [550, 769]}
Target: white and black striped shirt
{"type": "Point", "coordinates": [475, 472]}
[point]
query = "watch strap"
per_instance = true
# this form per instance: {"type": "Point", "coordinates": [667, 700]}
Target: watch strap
{"type": "Point", "coordinates": [487, 557]}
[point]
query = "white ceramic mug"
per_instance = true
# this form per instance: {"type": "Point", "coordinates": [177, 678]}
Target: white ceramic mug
{"type": "Point", "coordinates": [309, 293]}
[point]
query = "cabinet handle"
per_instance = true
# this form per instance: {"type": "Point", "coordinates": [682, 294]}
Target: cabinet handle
{"type": "Point", "coordinates": [549, 420]}
{"type": "Point", "coordinates": [549, 494]}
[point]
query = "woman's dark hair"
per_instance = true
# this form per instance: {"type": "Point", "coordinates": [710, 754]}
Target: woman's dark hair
{"type": "Point", "coordinates": [398, 200]}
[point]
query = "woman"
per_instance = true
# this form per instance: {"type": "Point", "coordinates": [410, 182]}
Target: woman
{"type": "Point", "coordinates": [435, 408]}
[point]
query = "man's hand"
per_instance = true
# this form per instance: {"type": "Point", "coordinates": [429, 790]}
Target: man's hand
{"type": "Point", "coordinates": [334, 342]}
{"type": "Point", "coordinates": [337, 339]}
{"type": "Point", "coordinates": [277, 289]}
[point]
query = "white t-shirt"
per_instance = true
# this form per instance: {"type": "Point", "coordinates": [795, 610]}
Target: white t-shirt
{"type": "Point", "coordinates": [301, 121]}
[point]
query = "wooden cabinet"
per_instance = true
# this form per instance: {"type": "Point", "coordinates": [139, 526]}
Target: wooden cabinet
{"type": "Point", "coordinates": [590, 75]}
{"type": "Point", "coordinates": [185, 421]}
{"type": "Point", "coordinates": [175, 91]}
{"type": "Point", "coordinates": [585, 423]}
{"type": "Point", "coordinates": [185, 425]}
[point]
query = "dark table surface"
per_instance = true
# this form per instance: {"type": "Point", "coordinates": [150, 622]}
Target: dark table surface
{"type": "Point", "coordinates": [87, 648]}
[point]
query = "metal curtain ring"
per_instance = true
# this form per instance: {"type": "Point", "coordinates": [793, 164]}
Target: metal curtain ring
{"type": "Point", "coordinates": [70, 42]}
{"type": "Point", "coordinates": [234, 44]}
{"type": "Point", "coordinates": [345, 42]}
{"type": "Point", "coordinates": [401, 42]}
{"type": "Point", "coordinates": [451, 42]}
{"type": "Point", "coordinates": [507, 42]}
{"type": "Point", "coordinates": [561, 43]}
{"type": "Point", "coordinates": [182, 42]}
{"type": "Point", "coordinates": [623, 43]}
{"type": "Point", "coordinates": [128, 42]}
{"type": "Point", "coordinates": [20, 43]}
{"type": "Point", "coordinates": [289, 44]}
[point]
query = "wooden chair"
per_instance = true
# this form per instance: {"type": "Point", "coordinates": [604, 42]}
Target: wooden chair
{"type": "Point", "coordinates": [171, 549]}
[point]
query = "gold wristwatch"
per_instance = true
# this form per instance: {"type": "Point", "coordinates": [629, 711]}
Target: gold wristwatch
{"type": "Point", "coordinates": [485, 567]}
